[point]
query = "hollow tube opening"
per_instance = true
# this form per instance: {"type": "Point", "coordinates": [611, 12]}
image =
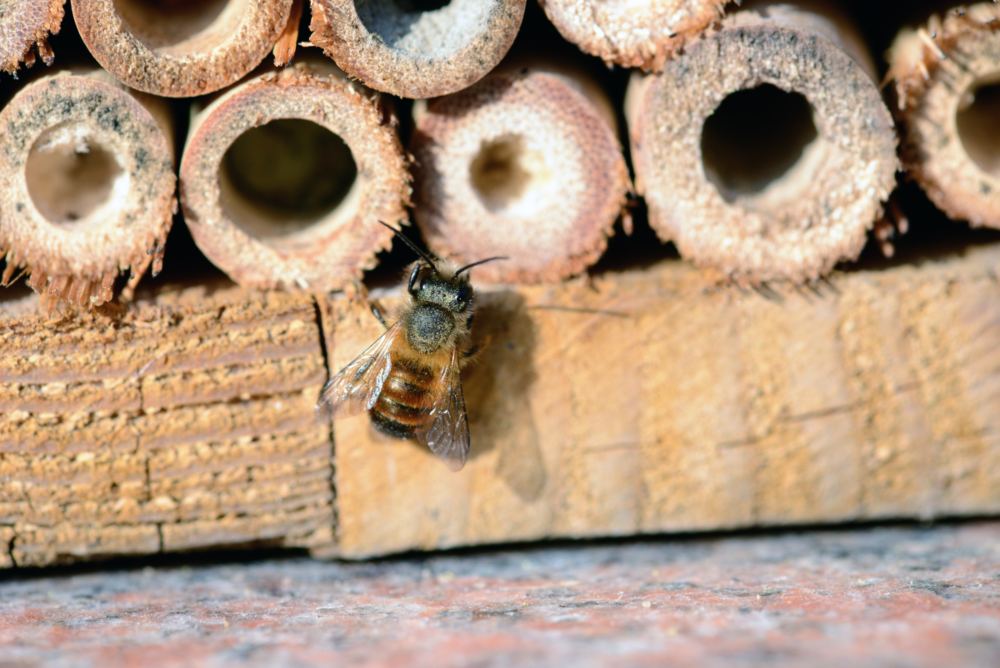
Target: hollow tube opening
{"type": "Point", "coordinates": [285, 179]}
{"type": "Point", "coordinates": [424, 29]}
{"type": "Point", "coordinates": [978, 123]}
{"type": "Point", "coordinates": [181, 26]}
{"type": "Point", "coordinates": [503, 170]}
{"type": "Point", "coordinates": [756, 142]}
{"type": "Point", "coordinates": [71, 176]}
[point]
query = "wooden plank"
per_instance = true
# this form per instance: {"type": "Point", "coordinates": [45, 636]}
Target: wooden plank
{"type": "Point", "coordinates": [878, 396]}
{"type": "Point", "coordinates": [189, 422]}
{"type": "Point", "coordinates": [633, 402]}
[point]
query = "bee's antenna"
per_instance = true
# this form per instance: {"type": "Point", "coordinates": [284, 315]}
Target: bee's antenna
{"type": "Point", "coordinates": [479, 262]}
{"type": "Point", "coordinates": [416, 249]}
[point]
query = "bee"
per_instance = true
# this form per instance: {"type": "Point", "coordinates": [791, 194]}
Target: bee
{"type": "Point", "coordinates": [409, 379]}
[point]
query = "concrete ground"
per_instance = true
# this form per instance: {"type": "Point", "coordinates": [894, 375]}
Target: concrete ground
{"type": "Point", "coordinates": [883, 596]}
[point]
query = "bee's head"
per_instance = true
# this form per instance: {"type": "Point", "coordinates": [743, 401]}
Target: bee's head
{"type": "Point", "coordinates": [428, 285]}
{"type": "Point", "coordinates": [447, 289]}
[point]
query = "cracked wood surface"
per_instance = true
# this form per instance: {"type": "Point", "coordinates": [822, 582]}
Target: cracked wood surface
{"type": "Point", "coordinates": [187, 423]}
{"type": "Point", "coordinates": [635, 402]}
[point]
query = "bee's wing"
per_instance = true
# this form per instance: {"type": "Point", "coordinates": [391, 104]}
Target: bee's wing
{"type": "Point", "coordinates": [447, 432]}
{"type": "Point", "coordinates": [357, 386]}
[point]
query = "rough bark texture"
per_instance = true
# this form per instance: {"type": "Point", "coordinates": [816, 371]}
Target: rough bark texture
{"type": "Point", "coordinates": [936, 70]}
{"type": "Point", "coordinates": [794, 224]}
{"type": "Point", "coordinates": [633, 34]}
{"type": "Point", "coordinates": [637, 403]}
{"type": "Point", "coordinates": [416, 54]}
{"type": "Point", "coordinates": [74, 226]}
{"type": "Point", "coordinates": [525, 164]}
{"type": "Point", "coordinates": [180, 51]}
{"type": "Point", "coordinates": [25, 26]}
{"type": "Point", "coordinates": [323, 251]}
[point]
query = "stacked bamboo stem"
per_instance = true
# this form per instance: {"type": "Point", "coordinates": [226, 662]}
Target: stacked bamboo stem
{"type": "Point", "coordinates": [306, 218]}
{"type": "Point", "coordinates": [25, 26]}
{"type": "Point", "coordinates": [86, 186]}
{"type": "Point", "coordinates": [947, 81]}
{"type": "Point", "coordinates": [525, 162]}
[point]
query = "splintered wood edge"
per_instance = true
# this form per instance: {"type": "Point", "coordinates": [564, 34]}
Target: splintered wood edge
{"type": "Point", "coordinates": [198, 69]}
{"type": "Point", "coordinates": [933, 68]}
{"type": "Point", "coordinates": [67, 262]}
{"type": "Point", "coordinates": [365, 55]}
{"type": "Point", "coordinates": [628, 36]}
{"type": "Point", "coordinates": [570, 141]}
{"type": "Point", "coordinates": [26, 26]}
{"type": "Point", "coordinates": [833, 208]}
{"type": "Point", "coordinates": [345, 242]}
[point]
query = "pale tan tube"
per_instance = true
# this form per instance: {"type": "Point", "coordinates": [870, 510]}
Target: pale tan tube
{"type": "Point", "coordinates": [633, 33]}
{"type": "Point", "coordinates": [285, 177]}
{"type": "Point", "coordinates": [526, 164]}
{"type": "Point", "coordinates": [86, 186]}
{"type": "Point", "coordinates": [25, 26]}
{"type": "Point", "coordinates": [180, 48]}
{"type": "Point", "coordinates": [764, 152]}
{"type": "Point", "coordinates": [947, 78]}
{"type": "Point", "coordinates": [416, 54]}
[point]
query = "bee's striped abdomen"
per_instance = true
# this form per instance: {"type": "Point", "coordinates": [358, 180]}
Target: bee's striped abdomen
{"type": "Point", "coordinates": [406, 398]}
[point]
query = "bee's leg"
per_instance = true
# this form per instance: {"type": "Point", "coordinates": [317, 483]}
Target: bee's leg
{"type": "Point", "coordinates": [377, 312]}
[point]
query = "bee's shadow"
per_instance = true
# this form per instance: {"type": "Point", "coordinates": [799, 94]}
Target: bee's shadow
{"type": "Point", "coordinates": [497, 392]}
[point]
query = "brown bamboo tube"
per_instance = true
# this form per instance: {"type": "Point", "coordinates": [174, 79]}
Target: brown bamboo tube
{"type": "Point", "coordinates": [86, 186]}
{"type": "Point", "coordinates": [629, 33]}
{"type": "Point", "coordinates": [180, 48]}
{"type": "Point", "coordinates": [416, 54]}
{"type": "Point", "coordinates": [285, 176]}
{"type": "Point", "coordinates": [526, 164]}
{"type": "Point", "coordinates": [765, 151]}
{"type": "Point", "coordinates": [25, 26]}
{"type": "Point", "coordinates": [947, 78]}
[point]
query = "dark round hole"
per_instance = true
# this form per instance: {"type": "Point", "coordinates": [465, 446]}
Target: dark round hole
{"type": "Point", "coordinates": [754, 138]}
{"type": "Point", "coordinates": [70, 176]}
{"type": "Point", "coordinates": [415, 26]}
{"type": "Point", "coordinates": [165, 24]}
{"type": "Point", "coordinates": [498, 173]}
{"type": "Point", "coordinates": [282, 177]}
{"type": "Point", "coordinates": [979, 127]}
{"type": "Point", "coordinates": [421, 5]}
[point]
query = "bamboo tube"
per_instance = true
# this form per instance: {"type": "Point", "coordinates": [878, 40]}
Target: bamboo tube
{"type": "Point", "coordinates": [86, 186]}
{"type": "Point", "coordinates": [416, 54]}
{"type": "Point", "coordinates": [629, 33]}
{"type": "Point", "coordinates": [765, 151]}
{"type": "Point", "coordinates": [526, 164]}
{"type": "Point", "coordinates": [180, 48]}
{"type": "Point", "coordinates": [947, 78]}
{"type": "Point", "coordinates": [26, 25]}
{"type": "Point", "coordinates": [284, 177]}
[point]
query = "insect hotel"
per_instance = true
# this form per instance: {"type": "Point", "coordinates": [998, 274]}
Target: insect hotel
{"type": "Point", "coordinates": [750, 274]}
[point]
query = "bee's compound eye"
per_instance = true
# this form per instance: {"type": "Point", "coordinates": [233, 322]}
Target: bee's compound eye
{"type": "Point", "coordinates": [462, 297]}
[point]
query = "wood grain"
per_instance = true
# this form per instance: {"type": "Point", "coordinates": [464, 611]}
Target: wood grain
{"type": "Point", "coordinates": [189, 422]}
{"type": "Point", "coordinates": [877, 396]}
{"type": "Point", "coordinates": [630, 402]}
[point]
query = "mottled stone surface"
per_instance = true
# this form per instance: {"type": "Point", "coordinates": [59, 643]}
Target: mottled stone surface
{"type": "Point", "coordinates": [881, 596]}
